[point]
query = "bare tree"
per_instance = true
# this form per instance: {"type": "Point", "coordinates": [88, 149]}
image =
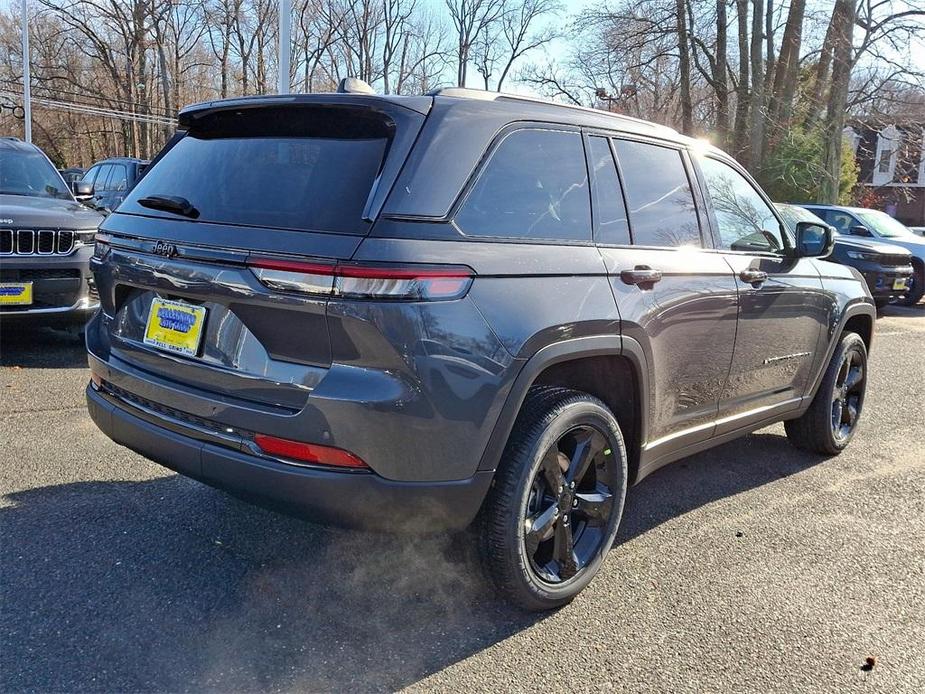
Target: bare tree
{"type": "Point", "coordinates": [471, 20]}
{"type": "Point", "coordinates": [521, 29]}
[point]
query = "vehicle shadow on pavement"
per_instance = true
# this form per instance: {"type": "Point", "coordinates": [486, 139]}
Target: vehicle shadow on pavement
{"type": "Point", "coordinates": [27, 346]}
{"type": "Point", "coordinates": [743, 464]}
{"type": "Point", "coordinates": [168, 585]}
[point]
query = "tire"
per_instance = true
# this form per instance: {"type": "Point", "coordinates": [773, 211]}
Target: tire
{"type": "Point", "coordinates": [881, 303]}
{"type": "Point", "coordinates": [918, 287]}
{"type": "Point", "coordinates": [832, 418]}
{"type": "Point", "coordinates": [533, 490]}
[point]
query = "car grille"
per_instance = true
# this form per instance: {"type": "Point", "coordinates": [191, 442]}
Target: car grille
{"type": "Point", "coordinates": [894, 260]}
{"type": "Point", "coordinates": [37, 274]}
{"type": "Point", "coordinates": [37, 241]}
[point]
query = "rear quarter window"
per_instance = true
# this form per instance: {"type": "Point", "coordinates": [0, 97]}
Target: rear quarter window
{"type": "Point", "coordinates": [534, 186]}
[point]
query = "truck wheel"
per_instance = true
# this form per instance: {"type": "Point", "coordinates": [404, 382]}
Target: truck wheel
{"type": "Point", "coordinates": [556, 501]}
{"type": "Point", "coordinates": [917, 289]}
{"type": "Point", "coordinates": [832, 418]}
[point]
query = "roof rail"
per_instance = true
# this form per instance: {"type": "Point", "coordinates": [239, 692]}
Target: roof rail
{"type": "Point", "coordinates": [469, 93]}
{"type": "Point", "coordinates": [465, 93]}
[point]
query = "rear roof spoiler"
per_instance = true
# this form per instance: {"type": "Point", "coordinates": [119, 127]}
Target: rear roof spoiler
{"type": "Point", "coordinates": [419, 104]}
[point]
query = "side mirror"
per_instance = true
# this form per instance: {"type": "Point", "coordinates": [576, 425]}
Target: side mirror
{"type": "Point", "coordinates": [83, 190]}
{"type": "Point", "coordinates": [814, 240]}
{"type": "Point", "coordinates": [860, 231]}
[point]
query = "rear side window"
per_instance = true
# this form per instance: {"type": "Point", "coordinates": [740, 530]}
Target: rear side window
{"type": "Point", "coordinates": [307, 171]}
{"type": "Point", "coordinates": [658, 193]}
{"type": "Point", "coordinates": [611, 223]}
{"type": "Point", "coordinates": [534, 186]}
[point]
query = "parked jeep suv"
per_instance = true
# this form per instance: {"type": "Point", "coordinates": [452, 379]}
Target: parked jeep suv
{"type": "Point", "coordinates": [865, 223]}
{"type": "Point", "coordinates": [886, 268]}
{"type": "Point", "coordinates": [112, 179]}
{"type": "Point", "coordinates": [424, 312]}
{"type": "Point", "coordinates": [46, 240]}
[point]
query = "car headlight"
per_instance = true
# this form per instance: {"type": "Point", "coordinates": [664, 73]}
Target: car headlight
{"type": "Point", "coordinates": [860, 255]}
{"type": "Point", "coordinates": [84, 238]}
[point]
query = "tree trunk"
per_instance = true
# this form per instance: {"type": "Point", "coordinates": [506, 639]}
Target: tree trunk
{"type": "Point", "coordinates": [684, 65]}
{"type": "Point", "coordinates": [842, 28]}
{"type": "Point", "coordinates": [719, 76]}
{"type": "Point", "coordinates": [786, 74]}
{"type": "Point", "coordinates": [740, 137]}
{"type": "Point", "coordinates": [757, 120]}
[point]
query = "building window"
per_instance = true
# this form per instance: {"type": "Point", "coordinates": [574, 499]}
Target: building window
{"type": "Point", "coordinates": [888, 141]}
{"type": "Point", "coordinates": [883, 166]}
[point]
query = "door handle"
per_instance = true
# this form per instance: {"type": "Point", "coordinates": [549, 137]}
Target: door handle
{"type": "Point", "coordinates": [753, 277]}
{"type": "Point", "coordinates": [641, 275]}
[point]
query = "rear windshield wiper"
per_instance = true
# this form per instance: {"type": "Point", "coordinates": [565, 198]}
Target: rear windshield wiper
{"type": "Point", "coordinates": [170, 203]}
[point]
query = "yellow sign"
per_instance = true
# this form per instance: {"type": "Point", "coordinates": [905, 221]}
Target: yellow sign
{"type": "Point", "coordinates": [15, 293]}
{"type": "Point", "coordinates": [175, 326]}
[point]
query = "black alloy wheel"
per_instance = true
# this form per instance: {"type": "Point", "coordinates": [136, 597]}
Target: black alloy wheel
{"type": "Point", "coordinates": [832, 418]}
{"type": "Point", "coordinates": [556, 500]}
{"type": "Point", "coordinates": [848, 394]}
{"type": "Point", "coordinates": [570, 505]}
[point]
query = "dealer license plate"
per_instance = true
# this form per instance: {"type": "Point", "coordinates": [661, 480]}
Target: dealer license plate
{"type": "Point", "coordinates": [15, 293]}
{"type": "Point", "coordinates": [175, 326]}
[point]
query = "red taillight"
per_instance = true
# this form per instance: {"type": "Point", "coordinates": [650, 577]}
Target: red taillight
{"type": "Point", "coordinates": [358, 281]}
{"type": "Point", "coordinates": [308, 452]}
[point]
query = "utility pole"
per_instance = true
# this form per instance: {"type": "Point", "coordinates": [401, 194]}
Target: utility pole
{"type": "Point", "coordinates": [285, 11]}
{"type": "Point", "coordinates": [26, 81]}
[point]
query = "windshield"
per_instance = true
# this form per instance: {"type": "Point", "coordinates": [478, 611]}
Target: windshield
{"type": "Point", "coordinates": [30, 173]}
{"type": "Point", "coordinates": [884, 224]}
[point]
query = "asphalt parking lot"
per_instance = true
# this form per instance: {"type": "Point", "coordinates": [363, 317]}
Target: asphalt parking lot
{"type": "Point", "coordinates": [752, 567]}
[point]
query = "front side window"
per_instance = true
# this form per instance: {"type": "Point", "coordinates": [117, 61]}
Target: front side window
{"type": "Point", "coordinates": [30, 174]}
{"type": "Point", "coordinates": [118, 179]}
{"type": "Point", "coordinates": [102, 178]}
{"type": "Point", "coordinates": [745, 222]}
{"type": "Point", "coordinates": [90, 176]}
{"type": "Point", "coordinates": [658, 193]}
{"type": "Point", "coordinates": [840, 220]}
{"type": "Point", "coordinates": [534, 186]}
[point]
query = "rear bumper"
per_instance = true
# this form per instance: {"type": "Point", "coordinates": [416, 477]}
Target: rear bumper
{"type": "Point", "coordinates": [361, 500]}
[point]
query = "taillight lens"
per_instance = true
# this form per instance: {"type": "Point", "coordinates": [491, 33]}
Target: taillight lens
{"type": "Point", "coordinates": [101, 246]}
{"type": "Point", "coordinates": [358, 281]}
{"type": "Point", "coordinates": [308, 452]}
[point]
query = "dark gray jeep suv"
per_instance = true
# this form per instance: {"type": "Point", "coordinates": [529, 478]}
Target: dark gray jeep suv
{"type": "Point", "coordinates": [46, 240]}
{"type": "Point", "coordinates": [421, 313]}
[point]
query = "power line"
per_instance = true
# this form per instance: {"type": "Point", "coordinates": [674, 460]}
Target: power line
{"type": "Point", "coordinates": [96, 110]}
{"type": "Point", "coordinates": [121, 103]}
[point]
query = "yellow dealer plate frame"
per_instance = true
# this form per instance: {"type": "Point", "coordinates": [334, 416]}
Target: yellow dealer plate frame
{"type": "Point", "coordinates": [175, 326]}
{"type": "Point", "coordinates": [15, 293]}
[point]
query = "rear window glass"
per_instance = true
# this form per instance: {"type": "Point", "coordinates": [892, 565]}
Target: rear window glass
{"type": "Point", "coordinates": [610, 212]}
{"type": "Point", "coordinates": [661, 204]}
{"type": "Point", "coordinates": [263, 172]}
{"type": "Point", "coordinates": [534, 186]}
